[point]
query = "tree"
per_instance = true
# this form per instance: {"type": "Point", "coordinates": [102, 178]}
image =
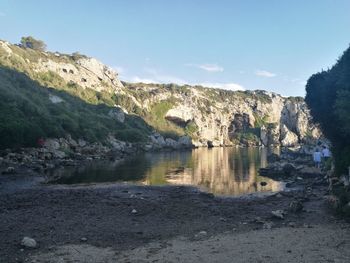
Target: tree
{"type": "Point", "coordinates": [328, 97]}
{"type": "Point", "coordinates": [31, 42]}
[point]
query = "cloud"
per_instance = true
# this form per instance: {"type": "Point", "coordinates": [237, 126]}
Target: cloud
{"type": "Point", "coordinates": [161, 77]}
{"type": "Point", "coordinates": [207, 67]}
{"type": "Point", "coordinates": [137, 79]}
{"type": "Point", "coordinates": [265, 74]}
{"type": "Point", "coordinates": [227, 86]}
{"type": "Point", "coordinates": [154, 76]}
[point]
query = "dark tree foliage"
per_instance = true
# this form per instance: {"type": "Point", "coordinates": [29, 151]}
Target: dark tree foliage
{"type": "Point", "coordinates": [328, 97]}
{"type": "Point", "coordinates": [31, 42]}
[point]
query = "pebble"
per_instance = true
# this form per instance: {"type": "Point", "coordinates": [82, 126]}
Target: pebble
{"type": "Point", "coordinates": [278, 214]}
{"type": "Point", "coordinates": [203, 233]}
{"type": "Point", "coordinates": [134, 211]}
{"type": "Point", "coordinates": [28, 242]}
{"type": "Point", "coordinates": [83, 239]}
{"type": "Point", "coordinates": [267, 225]}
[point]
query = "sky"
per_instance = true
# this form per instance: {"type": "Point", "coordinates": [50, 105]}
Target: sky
{"type": "Point", "coordinates": [274, 45]}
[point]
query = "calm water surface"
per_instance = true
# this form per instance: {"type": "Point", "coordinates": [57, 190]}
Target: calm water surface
{"type": "Point", "coordinates": [222, 171]}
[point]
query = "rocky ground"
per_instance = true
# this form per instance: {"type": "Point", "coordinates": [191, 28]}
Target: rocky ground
{"type": "Point", "coordinates": [128, 223]}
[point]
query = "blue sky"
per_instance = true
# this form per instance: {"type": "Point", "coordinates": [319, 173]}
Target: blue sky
{"type": "Point", "coordinates": [251, 44]}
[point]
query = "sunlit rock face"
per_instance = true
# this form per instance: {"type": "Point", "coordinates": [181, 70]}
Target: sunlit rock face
{"type": "Point", "coordinates": [211, 117]}
{"type": "Point", "coordinates": [81, 70]}
{"type": "Point", "coordinates": [275, 120]}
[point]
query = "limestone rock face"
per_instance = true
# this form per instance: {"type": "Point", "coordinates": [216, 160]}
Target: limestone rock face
{"type": "Point", "coordinates": [273, 119]}
{"type": "Point", "coordinates": [181, 114]}
{"type": "Point", "coordinates": [288, 138]}
{"type": "Point", "coordinates": [84, 71]}
{"type": "Point", "coordinates": [103, 72]}
{"type": "Point", "coordinates": [210, 117]}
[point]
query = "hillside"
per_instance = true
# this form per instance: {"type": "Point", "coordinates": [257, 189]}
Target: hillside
{"type": "Point", "coordinates": [49, 95]}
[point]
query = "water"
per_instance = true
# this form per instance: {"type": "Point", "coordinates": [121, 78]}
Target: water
{"type": "Point", "coordinates": [222, 171]}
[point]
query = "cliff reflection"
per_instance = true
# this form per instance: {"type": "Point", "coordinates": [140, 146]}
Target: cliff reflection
{"type": "Point", "coordinates": [223, 171]}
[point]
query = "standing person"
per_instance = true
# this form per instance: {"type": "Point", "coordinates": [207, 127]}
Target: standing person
{"type": "Point", "coordinates": [317, 158]}
{"type": "Point", "coordinates": [326, 153]}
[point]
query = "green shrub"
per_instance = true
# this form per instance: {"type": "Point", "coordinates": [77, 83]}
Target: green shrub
{"type": "Point", "coordinates": [31, 42]}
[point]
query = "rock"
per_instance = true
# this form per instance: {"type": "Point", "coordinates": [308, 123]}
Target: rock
{"type": "Point", "coordinates": [202, 233]}
{"type": "Point", "coordinates": [288, 138]}
{"type": "Point", "coordinates": [82, 143]}
{"type": "Point", "coordinates": [148, 147]}
{"type": "Point", "coordinates": [296, 206]}
{"type": "Point", "coordinates": [59, 154]}
{"type": "Point", "coordinates": [29, 242]}
{"type": "Point", "coordinates": [83, 239]}
{"type": "Point", "coordinates": [158, 139]}
{"type": "Point", "coordinates": [180, 115]}
{"type": "Point", "coordinates": [170, 143]}
{"type": "Point", "coordinates": [52, 144]}
{"type": "Point", "coordinates": [117, 114]}
{"type": "Point", "coordinates": [134, 211]}
{"type": "Point", "coordinates": [267, 225]}
{"type": "Point", "coordinates": [185, 141]}
{"type": "Point", "coordinates": [9, 170]}
{"type": "Point", "coordinates": [278, 214]}
{"type": "Point", "coordinates": [263, 183]}
{"type": "Point", "coordinates": [309, 171]}
{"type": "Point", "coordinates": [55, 99]}
{"type": "Point", "coordinates": [116, 144]}
{"type": "Point", "coordinates": [213, 143]}
{"type": "Point", "coordinates": [288, 169]}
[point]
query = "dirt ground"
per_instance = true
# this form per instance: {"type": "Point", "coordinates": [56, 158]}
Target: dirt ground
{"type": "Point", "coordinates": [126, 223]}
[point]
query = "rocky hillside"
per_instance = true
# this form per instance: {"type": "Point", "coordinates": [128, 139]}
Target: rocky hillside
{"type": "Point", "coordinates": [48, 94]}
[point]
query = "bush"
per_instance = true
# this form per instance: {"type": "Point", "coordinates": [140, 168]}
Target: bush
{"type": "Point", "coordinates": [31, 42]}
{"type": "Point", "coordinates": [328, 96]}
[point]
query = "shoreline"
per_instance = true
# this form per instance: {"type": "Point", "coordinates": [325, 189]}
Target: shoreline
{"type": "Point", "coordinates": [121, 222]}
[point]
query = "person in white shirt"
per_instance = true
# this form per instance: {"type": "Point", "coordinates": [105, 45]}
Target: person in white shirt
{"type": "Point", "coordinates": [326, 153]}
{"type": "Point", "coordinates": [317, 158]}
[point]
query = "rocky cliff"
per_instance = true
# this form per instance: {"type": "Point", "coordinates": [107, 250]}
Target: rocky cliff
{"type": "Point", "coordinates": [213, 117]}
{"type": "Point", "coordinates": [167, 115]}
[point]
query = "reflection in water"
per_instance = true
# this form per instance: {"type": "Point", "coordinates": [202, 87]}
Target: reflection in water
{"type": "Point", "coordinates": [223, 171]}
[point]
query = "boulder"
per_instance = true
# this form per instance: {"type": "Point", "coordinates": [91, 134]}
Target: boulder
{"type": "Point", "coordinates": [82, 143]}
{"type": "Point", "coordinates": [52, 144]}
{"type": "Point", "coordinates": [170, 143]}
{"type": "Point", "coordinates": [117, 114]}
{"type": "Point", "coordinates": [185, 141]}
{"type": "Point", "coordinates": [288, 138]}
{"type": "Point", "coordinates": [55, 99]}
{"type": "Point", "coordinates": [59, 154]}
{"type": "Point", "coordinates": [158, 139]}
